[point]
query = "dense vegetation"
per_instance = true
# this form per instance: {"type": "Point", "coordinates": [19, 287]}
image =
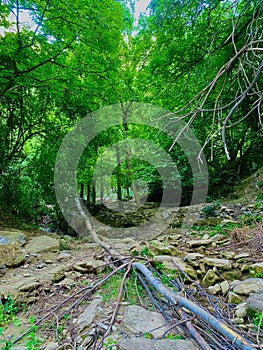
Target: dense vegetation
{"type": "Point", "coordinates": [201, 60]}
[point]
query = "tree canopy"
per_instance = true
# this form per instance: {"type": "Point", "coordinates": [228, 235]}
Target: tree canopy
{"type": "Point", "coordinates": [200, 59]}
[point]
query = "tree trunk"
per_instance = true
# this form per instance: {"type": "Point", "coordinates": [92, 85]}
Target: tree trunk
{"type": "Point", "coordinates": [94, 192]}
{"type": "Point", "coordinates": [81, 191]}
{"type": "Point", "coordinates": [88, 193]}
{"type": "Point", "coordinates": [119, 194]}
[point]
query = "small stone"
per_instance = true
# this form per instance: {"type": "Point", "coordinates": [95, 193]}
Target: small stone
{"type": "Point", "coordinates": [220, 263]}
{"type": "Point", "coordinates": [256, 269]}
{"type": "Point", "coordinates": [233, 298]}
{"type": "Point", "coordinates": [210, 278]}
{"type": "Point", "coordinates": [255, 303]}
{"type": "Point", "coordinates": [31, 285]}
{"type": "Point", "coordinates": [42, 244]}
{"type": "Point", "coordinates": [64, 256]}
{"type": "Point", "coordinates": [224, 287]}
{"type": "Point", "coordinates": [27, 274]}
{"type": "Point", "coordinates": [239, 320]}
{"type": "Point", "coordinates": [214, 289]}
{"type": "Point", "coordinates": [229, 255]}
{"type": "Point", "coordinates": [248, 286]}
{"type": "Point", "coordinates": [87, 317]}
{"type": "Point", "coordinates": [51, 346]}
{"type": "Point", "coordinates": [138, 319]}
{"type": "Point", "coordinates": [232, 275]}
{"type": "Point", "coordinates": [245, 267]}
{"type": "Point", "coordinates": [175, 263]}
{"type": "Point", "coordinates": [241, 256]}
{"type": "Point", "coordinates": [199, 242]}
{"type": "Point", "coordinates": [241, 312]}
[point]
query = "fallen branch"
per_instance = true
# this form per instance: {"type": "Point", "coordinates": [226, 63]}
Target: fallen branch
{"type": "Point", "coordinates": [175, 299]}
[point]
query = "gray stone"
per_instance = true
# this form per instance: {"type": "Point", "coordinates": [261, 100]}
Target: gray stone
{"type": "Point", "coordinates": [256, 268]}
{"type": "Point", "coordinates": [232, 275]}
{"type": "Point", "coordinates": [64, 256]}
{"type": "Point", "coordinates": [224, 287]}
{"type": "Point", "coordinates": [51, 346]}
{"type": "Point", "coordinates": [175, 263]}
{"type": "Point", "coordinates": [241, 256]}
{"type": "Point", "coordinates": [4, 240]}
{"type": "Point", "coordinates": [199, 242]}
{"type": "Point", "coordinates": [241, 312]}
{"type": "Point", "coordinates": [229, 254]}
{"type": "Point", "coordinates": [248, 286]}
{"type": "Point", "coordinates": [255, 302]}
{"type": "Point", "coordinates": [42, 244]}
{"type": "Point", "coordinates": [157, 344]}
{"type": "Point", "coordinates": [220, 263]}
{"type": "Point", "coordinates": [29, 285]}
{"type": "Point", "coordinates": [233, 298]}
{"type": "Point", "coordinates": [210, 278]}
{"type": "Point", "coordinates": [239, 320]}
{"type": "Point", "coordinates": [214, 289]}
{"type": "Point", "coordinates": [139, 320]}
{"type": "Point", "coordinates": [12, 236]}
{"type": "Point", "coordinates": [87, 317]}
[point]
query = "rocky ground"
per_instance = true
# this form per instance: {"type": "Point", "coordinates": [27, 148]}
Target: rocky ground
{"type": "Point", "coordinates": [215, 251]}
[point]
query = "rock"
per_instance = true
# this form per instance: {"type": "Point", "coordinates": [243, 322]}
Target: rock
{"type": "Point", "coordinates": [29, 285]}
{"type": "Point", "coordinates": [199, 242]}
{"type": "Point", "coordinates": [12, 236]}
{"type": "Point", "coordinates": [255, 303]}
{"type": "Point", "coordinates": [10, 253]}
{"type": "Point", "coordinates": [239, 320]}
{"type": "Point", "coordinates": [193, 259]}
{"type": "Point", "coordinates": [224, 286]}
{"type": "Point", "coordinates": [161, 249]}
{"type": "Point", "coordinates": [232, 275]}
{"type": "Point", "coordinates": [241, 256]}
{"type": "Point", "coordinates": [87, 317]}
{"type": "Point", "coordinates": [233, 298]}
{"type": "Point", "coordinates": [157, 344]}
{"type": "Point", "coordinates": [89, 265]}
{"type": "Point", "coordinates": [210, 278]}
{"type": "Point", "coordinates": [58, 275]}
{"type": "Point", "coordinates": [241, 312]}
{"type": "Point", "coordinates": [139, 320]}
{"type": "Point", "coordinates": [64, 256]}
{"type": "Point", "coordinates": [214, 289]}
{"type": "Point", "coordinates": [248, 286]}
{"type": "Point", "coordinates": [42, 244]}
{"type": "Point", "coordinates": [229, 254]}
{"type": "Point", "coordinates": [220, 263]}
{"type": "Point", "coordinates": [175, 263]}
{"type": "Point", "coordinates": [256, 268]}
{"type": "Point", "coordinates": [245, 267]}
{"type": "Point", "coordinates": [51, 346]}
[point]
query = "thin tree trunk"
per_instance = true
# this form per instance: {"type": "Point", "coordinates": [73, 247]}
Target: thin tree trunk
{"type": "Point", "coordinates": [119, 194]}
{"type": "Point", "coordinates": [88, 193]}
{"type": "Point", "coordinates": [81, 191]}
{"type": "Point", "coordinates": [94, 192]}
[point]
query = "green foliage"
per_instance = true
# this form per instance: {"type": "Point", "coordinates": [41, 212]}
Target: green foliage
{"type": "Point", "coordinates": [259, 275]}
{"type": "Point", "coordinates": [32, 341]}
{"type": "Point", "coordinates": [258, 319]}
{"type": "Point", "coordinates": [146, 252]}
{"type": "Point", "coordinates": [208, 211]}
{"type": "Point", "coordinates": [8, 310]}
{"type": "Point", "coordinates": [174, 336]}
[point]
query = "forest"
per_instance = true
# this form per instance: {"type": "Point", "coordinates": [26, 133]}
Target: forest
{"type": "Point", "coordinates": [199, 60]}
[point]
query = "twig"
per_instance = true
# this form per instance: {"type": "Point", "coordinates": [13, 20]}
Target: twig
{"type": "Point", "coordinates": [116, 308]}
